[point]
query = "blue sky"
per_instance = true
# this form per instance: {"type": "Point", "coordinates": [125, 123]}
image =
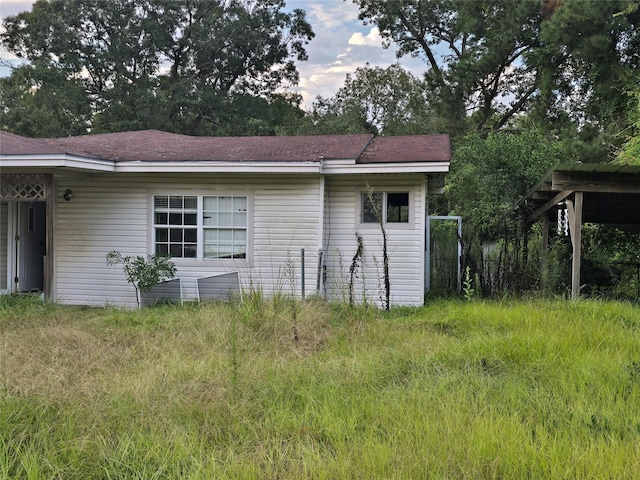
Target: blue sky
{"type": "Point", "coordinates": [342, 44]}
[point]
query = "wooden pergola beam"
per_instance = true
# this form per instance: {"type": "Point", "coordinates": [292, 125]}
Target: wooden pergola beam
{"type": "Point", "coordinates": [596, 193]}
{"type": "Point", "coordinates": [549, 204]}
{"type": "Point", "coordinates": [595, 182]}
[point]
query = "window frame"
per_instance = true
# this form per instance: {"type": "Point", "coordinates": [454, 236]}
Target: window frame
{"type": "Point", "coordinates": [201, 227]}
{"type": "Point", "coordinates": [360, 202]}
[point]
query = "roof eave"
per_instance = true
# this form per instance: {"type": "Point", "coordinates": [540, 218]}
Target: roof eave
{"type": "Point", "coordinates": [64, 161]}
{"type": "Point", "coordinates": [218, 167]}
{"type": "Point", "coordinates": [371, 168]}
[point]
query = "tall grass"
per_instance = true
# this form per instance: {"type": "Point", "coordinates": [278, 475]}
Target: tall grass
{"type": "Point", "coordinates": [539, 389]}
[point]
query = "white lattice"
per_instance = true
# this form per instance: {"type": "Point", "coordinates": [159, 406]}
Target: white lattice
{"type": "Point", "coordinates": [22, 187]}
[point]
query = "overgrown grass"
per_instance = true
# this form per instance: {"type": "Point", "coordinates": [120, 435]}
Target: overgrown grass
{"type": "Point", "coordinates": [277, 389]}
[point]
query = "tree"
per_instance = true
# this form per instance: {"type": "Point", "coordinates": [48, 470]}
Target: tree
{"type": "Point", "coordinates": [387, 101]}
{"type": "Point", "coordinates": [489, 176]}
{"type": "Point", "coordinates": [629, 154]}
{"type": "Point", "coordinates": [143, 273]}
{"type": "Point", "coordinates": [30, 109]}
{"type": "Point", "coordinates": [489, 62]}
{"type": "Point", "coordinates": [167, 64]}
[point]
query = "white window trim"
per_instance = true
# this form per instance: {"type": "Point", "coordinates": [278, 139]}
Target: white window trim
{"type": "Point", "coordinates": [200, 260]}
{"type": "Point", "coordinates": [410, 225]}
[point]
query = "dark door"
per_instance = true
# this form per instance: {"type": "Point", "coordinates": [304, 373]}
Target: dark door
{"type": "Point", "coordinates": [31, 241]}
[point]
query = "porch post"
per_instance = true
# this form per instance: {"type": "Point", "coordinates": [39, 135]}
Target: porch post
{"type": "Point", "coordinates": [575, 224]}
{"type": "Point", "coordinates": [50, 196]}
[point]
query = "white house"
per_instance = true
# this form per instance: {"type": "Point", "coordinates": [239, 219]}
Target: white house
{"type": "Point", "coordinates": [216, 205]}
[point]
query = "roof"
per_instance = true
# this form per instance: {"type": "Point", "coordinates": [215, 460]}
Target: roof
{"type": "Point", "coordinates": [11, 144]}
{"type": "Point", "coordinates": [611, 192]}
{"type": "Point", "coordinates": [153, 150]}
{"type": "Point", "coordinates": [407, 148]}
{"type": "Point", "coordinates": [157, 146]}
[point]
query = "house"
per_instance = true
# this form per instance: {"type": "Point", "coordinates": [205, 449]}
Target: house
{"type": "Point", "coordinates": [216, 205]}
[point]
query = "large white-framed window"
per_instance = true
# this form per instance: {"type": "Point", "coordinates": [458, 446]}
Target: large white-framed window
{"type": "Point", "coordinates": [201, 227]}
{"type": "Point", "coordinates": [393, 207]}
{"type": "Point", "coordinates": [225, 226]}
{"type": "Point", "coordinates": [175, 225]}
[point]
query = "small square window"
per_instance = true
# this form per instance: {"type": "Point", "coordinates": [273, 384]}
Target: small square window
{"type": "Point", "coordinates": [388, 207]}
{"type": "Point", "coordinates": [398, 207]}
{"type": "Point", "coordinates": [371, 207]}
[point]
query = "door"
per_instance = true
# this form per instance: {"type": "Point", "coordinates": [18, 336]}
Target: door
{"type": "Point", "coordinates": [5, 272]}
{"type": "Point", "coordinates": [30, 246]}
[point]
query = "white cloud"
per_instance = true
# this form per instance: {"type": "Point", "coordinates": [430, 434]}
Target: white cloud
{"type": "Point", "coordinates": [372, 39]}
{"type": "Point", "coordinates": [330, 14]}
{"type": "Point", "coordinates": [12, 7]}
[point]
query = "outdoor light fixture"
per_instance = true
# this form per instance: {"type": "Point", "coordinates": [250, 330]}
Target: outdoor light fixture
{"type": "Point", "coordinates": [68, 194]}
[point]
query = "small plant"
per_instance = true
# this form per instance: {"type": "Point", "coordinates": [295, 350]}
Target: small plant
{"type": "Point", "coordinates": [356, 262]}
{"type": "Point", "coordinates": [143, 273]}
{"type": "Point", "coordinates": [467, 285]}
{"type": "Point", "coordinates": [377, 210]}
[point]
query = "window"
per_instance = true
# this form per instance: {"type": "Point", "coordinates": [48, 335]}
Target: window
{"type": "Point", "coordinates": [176, 226]}
{"type": "Point", "coordinates": [200, 227]}
{"type": "Point", "coordinates": [225, 227]}
{"type": "Point", "coordinates": [396, 207]}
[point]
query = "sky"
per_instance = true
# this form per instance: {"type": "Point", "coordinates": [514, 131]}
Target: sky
{"type": "Point", "coordinates": [342, 44]}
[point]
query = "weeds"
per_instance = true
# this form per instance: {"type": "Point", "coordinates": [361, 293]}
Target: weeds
{"type": "Point", "coordinates": [456, 389]}
{"type": "Point", "coordinates": [356, 265]}
{"type": "Point", "coordinates": [467, 285]}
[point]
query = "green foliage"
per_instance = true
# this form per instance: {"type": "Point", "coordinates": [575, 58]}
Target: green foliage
{"type": "Point", "coordinates": [490, 175]}
{"type": "Point", "coordinates": [388, 101]}
{"type": "Point", "coordinates": [467, 285]}
{"type": "Point", "coordinates": [143, 273]}
{"type": "Point", "coordinates": [504, 59]}
{"type": "Point", "coordinates": [611, 262]}
{"type": "Point", "coordinates": [629, 154]}
{"type": "Point", "coordinates": [135, 64]}
{"type": "Point", "coordinates": [38, 100]}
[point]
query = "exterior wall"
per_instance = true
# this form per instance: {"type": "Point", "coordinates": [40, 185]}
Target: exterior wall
{"type": "Point", "coordinates": [3, 245]}
{"type": "Point", "coordinates": [114, 212]}
{"type": "Point", "coordinates": [405, 243]}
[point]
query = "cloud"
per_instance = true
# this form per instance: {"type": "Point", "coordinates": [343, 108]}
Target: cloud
{"type": "Point", "coordinates": [12, 7]}
{"type": "Point", "coordinates": [331, 14]}
{"type": "Point", "coordinates": [372, 39]}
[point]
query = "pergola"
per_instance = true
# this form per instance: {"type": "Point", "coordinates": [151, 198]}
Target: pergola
{"type": "Point", "coordinates": [592, 193]}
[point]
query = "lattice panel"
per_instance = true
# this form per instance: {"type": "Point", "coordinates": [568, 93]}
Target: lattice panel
{"type": "Point", "coordinates": [22, 187]}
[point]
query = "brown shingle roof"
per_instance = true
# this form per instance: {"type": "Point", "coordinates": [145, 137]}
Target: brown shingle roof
{"type": "Point", "coordinates": [408, 148]}
{"type": "Point", "coordinates": [157, 146]}
{"type": "Point", "coordinates": [11, 144]}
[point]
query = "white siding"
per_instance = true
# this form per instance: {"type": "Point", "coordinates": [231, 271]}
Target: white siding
{"type": "Point", "coordinates": [114, 213]}
{"type": "Point", "coordinates": [3, 245]}
{"type": "Point", "coordinates": [405, 243]}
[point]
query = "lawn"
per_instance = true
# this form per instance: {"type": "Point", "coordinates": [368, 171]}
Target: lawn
{"type": "Point", "coordinates": [276, 389]}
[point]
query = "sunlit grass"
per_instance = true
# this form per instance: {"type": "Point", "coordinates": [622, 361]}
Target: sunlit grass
{"type": "Point", "coordinates": [540, 389]}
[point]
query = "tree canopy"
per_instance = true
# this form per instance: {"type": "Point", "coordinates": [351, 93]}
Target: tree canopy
{"type": "Point", "coordinates": [488, 62]}
{"type": "Point", "coordinates": [377, 100]}
{"type": "Point", "coordinates": [629, 154]}
{"type": "Point", "coordinates": [182, 66]}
